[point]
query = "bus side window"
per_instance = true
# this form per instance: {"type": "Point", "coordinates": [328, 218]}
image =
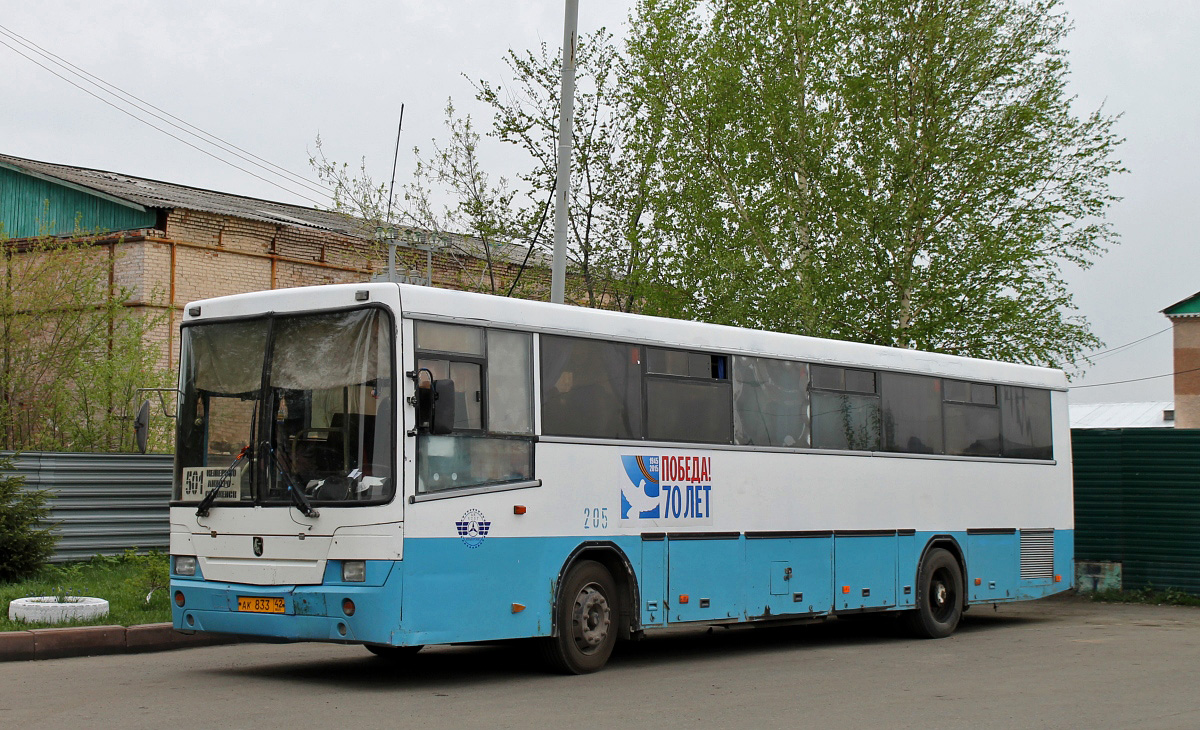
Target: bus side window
{"type": "Point", "coordinates": [912, 413]}
{"type": "Point", "coordinates": [845, 409]}
{"type": "Point", "coordinates": [770, 401]}
{"type": "Point", "coordinates": [1025, 423]}
{"type": "Point", "coordinates": [972, 419]}
{"type": "Point", "coordinates": [591, 388]}
{"type": "Point", "coordinates": [493, 412]}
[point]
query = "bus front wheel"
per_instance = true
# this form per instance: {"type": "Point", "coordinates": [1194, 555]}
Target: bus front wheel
{"type": "Point", "coordinates": [939, 596]}
{"type": "Point", "coordinates": [585, 617]}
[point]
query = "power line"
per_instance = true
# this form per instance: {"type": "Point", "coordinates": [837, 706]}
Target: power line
{"type": "Point", "coordinates": [1134, 380]}
{"type": "Point", "coordinates": [1113, 350]}
{"type": "Point", "coordinates": [146, 107]}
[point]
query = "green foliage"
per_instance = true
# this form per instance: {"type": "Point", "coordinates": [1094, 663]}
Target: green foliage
{"type": "Point", "coordinates": [611, 243]}
{"type": "Point", "coordinates": [123, 581]}
{"type": "Point", "coordinates": [906, 174]}
{"type": "Point", "coordinates": [151, 571]}
{"type": "Point", "coordinates": [26, 541]}
{"type": "Point", "coordinates": [1149, 594]}
{"type": "Point", "coordinates": [72, 352]}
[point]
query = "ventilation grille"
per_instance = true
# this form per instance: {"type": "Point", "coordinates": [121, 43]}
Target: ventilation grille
{"type": "Point", "coordinates": [1037, 554]}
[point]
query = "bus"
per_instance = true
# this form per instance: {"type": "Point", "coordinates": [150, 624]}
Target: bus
{"type": "Point", "coordinates": [399, 466]}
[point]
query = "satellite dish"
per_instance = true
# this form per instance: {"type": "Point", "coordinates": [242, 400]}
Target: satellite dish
{"type": "Point", "coordinates": [141, 426]}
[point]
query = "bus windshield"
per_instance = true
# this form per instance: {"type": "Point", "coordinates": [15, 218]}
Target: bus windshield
{"type": "Point", "coordinates": [287, 400]}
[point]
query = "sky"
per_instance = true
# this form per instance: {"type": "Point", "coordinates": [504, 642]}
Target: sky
{"type": "Point", "coordinates": [269, 77]}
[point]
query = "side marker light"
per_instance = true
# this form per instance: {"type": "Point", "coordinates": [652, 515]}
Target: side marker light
{"type": "Point", "coordinates": [845, 589]}
{"type": "Point", "coordinates": [518, 509]}
{"type": "Point", "coordinates": [518, 607]}
{"type": "Point", "coordinates": [1058, 579]}
{"type": "Point", "coordinates": [683, 598]}
{"type": "Point", "coordinates": [978, 581]}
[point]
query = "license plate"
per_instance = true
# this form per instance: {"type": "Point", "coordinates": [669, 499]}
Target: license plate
{"type": "Point", "coordinates": [255, 604]}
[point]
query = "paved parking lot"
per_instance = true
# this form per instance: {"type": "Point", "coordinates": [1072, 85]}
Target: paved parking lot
{"type": "Point", "coordinates": [1065, 663]}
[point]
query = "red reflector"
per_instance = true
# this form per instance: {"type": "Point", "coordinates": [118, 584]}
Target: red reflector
{"type": "Point", "coordinates": [845, 589]}
{"type": "Point", "coordinates": [518, 509]}
{"type": "Point", "coordinates": [179, 598]}
{"type": "Point", "coordinates": [347, 607]}
{"type": "Point", "coordinates": [683, 598]}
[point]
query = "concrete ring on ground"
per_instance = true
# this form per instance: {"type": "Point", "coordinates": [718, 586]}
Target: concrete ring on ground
{"type": "Point", "coordinates": [50, 610]}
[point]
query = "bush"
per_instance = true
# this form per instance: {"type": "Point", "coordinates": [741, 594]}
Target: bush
{"type": "Point", "coordinates": [25, 542]}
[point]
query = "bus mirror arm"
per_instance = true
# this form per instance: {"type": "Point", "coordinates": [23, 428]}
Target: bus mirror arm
{"type": "Point", "coordinates": [434, 403]}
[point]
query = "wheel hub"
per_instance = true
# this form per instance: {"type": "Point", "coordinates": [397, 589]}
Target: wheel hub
{"type": "Point", "coordinates": [591, 617]}
{"type": "Point", "coordinates": [939, 594]}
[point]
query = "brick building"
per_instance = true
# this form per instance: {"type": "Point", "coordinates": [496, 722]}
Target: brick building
{"type": "Point", "coordinates": [1185, 321]}
{"type": "Point", "coordinates": [170, 244]}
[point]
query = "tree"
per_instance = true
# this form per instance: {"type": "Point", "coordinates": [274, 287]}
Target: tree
{"type": "Point", "coordinates": [26, 541]}
{"type": "Point", "coordinates": [476, 226]}
{"type": "Point", "coordinates": [71, 352]}
{"type": "Point", "coordinates": [904, 173]}
{"type": "Point", "coordinates": [610, 242]}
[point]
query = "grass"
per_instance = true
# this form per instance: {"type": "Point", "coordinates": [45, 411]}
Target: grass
{"type": "Point", "coordinates": [1158, 596]}
{"type": "Point", "coordinates": [122, 580]}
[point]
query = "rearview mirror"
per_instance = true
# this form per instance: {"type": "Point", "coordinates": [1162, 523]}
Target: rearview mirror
{"type": "Point", "coordinates": [441, 416]}
{"type": "Point", "coordinates": [141, 426]}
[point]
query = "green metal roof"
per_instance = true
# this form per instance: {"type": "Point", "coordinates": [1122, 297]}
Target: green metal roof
{"type": "Point", "coordinates": [38, 205]}
{"type": "Point", "coordinates": [1191, 305]}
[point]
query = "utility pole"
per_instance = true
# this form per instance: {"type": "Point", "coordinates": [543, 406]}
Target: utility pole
{"type": "Point", "coordinates": [566, 115]}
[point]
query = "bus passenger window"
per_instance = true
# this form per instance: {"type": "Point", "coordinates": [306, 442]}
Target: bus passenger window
{"type": "Point", "coordinates": [591, 388]}
{"type": "Point", "coordinates": [770, 402]}
{"type": "Point", "coordinates": [1025, 419]}
{"type": "Point", "coordinates": [845, 417]}
{"type": "Point", "coordinates": [912, 413]}
{"type": "Point", "coordinates": [687, 397]}
{"type": "Point", "coordinates": [972, 419]}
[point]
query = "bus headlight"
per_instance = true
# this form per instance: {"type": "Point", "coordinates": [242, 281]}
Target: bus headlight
{"type": "Point", "coordinates": [354, 571]}
{"type": "Point", "coordinates": [185, 565]}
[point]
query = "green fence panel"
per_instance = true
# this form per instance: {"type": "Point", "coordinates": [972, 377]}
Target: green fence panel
{"type": "Point", "coordinates": [1137, 502]}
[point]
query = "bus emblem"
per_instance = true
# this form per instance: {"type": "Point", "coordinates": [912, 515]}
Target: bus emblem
{"type": "Point", "coordinates": [473, 528]}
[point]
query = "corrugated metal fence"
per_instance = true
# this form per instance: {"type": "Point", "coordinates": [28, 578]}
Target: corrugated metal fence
{"type": "Point", "coordinates": [1137, 502]}
{"type": "Point", "coordinates": [103, 503]}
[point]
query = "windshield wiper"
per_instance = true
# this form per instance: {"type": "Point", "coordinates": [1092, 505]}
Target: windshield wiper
{"type": "Point", "coordinates": [207, 502]}
{"type": "Point", "coordinates": [297, 496]}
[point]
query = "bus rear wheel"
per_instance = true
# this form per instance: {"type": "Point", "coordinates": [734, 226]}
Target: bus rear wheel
{"type": "Point", "coordinates": [586, 620]}
{"type": "Point", "coordinates": [939, 596]}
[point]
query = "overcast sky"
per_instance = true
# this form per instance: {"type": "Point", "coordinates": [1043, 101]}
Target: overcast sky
{"type": "Point", "coordinates": [270, 76]}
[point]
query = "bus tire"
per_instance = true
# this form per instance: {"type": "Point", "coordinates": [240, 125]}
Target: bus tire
{"type": "Point", "coordinates": [393, 653]}
{"type": "Point", "coordinates": [586, 618]}
{"type": "Point", "coordinates": [939, 596]}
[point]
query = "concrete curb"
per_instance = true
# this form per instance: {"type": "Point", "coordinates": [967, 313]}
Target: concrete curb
{"type": "Point", "coordinates": [96, 640]}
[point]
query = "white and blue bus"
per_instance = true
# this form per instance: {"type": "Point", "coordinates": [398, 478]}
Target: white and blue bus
{"type": "Point", "coordinates": [398, 466]}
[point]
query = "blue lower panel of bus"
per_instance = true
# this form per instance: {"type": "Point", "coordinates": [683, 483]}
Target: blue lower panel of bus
{"type": "Point", "coordinates": [447, 591]}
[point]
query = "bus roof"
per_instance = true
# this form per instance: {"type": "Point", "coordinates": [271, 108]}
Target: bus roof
{"type": "Point", "coordinates": [425, 302]}
{"type": "Point", "coordinates": [421, 302]}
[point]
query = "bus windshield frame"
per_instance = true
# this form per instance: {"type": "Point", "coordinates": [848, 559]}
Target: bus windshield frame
{"type": "Point", "coordinates": [281, 401]}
